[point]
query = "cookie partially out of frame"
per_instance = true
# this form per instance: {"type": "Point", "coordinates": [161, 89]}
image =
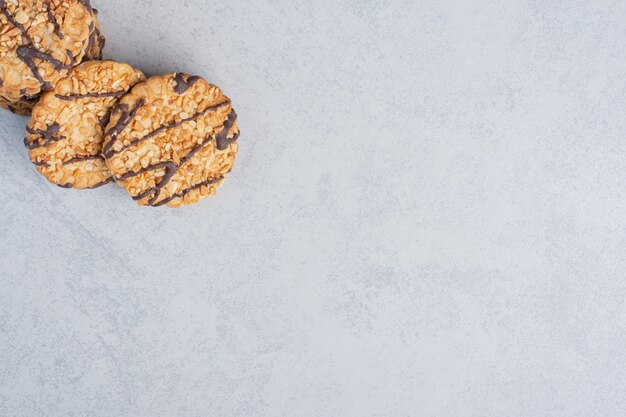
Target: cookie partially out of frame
{"type": "Point", "coordinates": [172, 140]}
{"type": "Point", "coordinates": [66, 129]}
{"type": "Point", "coordinates": [40, 41]}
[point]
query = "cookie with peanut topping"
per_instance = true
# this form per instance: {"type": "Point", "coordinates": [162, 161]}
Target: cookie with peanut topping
{"type": "Point", "coordinates": [172, 140]}
{"type": "Point", "coordinates": [40, 41]}
{"type": "Point", "coordinates": [66, 129]}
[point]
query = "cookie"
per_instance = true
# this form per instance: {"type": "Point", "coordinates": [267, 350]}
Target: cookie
{"type": "Point", "coordinates": [40, 41]}
{"type": "Point", "coordinates": [66, 129]}
{"type": "Point", "coordinates": [171, 140]}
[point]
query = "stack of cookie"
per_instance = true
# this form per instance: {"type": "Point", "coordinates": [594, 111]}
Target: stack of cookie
{"type": "Point", "coordinates": [167, 140]}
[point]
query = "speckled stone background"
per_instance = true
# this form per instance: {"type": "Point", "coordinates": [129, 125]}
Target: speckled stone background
{"type": "Point", "coordinates": [427, 218]}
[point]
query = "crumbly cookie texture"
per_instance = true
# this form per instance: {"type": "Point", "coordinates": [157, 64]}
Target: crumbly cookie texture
{"type": "Point", "coordinates": [40, 41]}
{"type": "Point", "coordinates": [171, 140]}
{"type": "Point", "coordinates": [66, 129]}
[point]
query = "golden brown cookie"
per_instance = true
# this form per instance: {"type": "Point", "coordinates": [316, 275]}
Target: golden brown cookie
{"type": "Point", "coordinates": [171, 140]}
{"type": "Point", "coordinates": [40, 41]}
{"type": "Point", "coordinates": [66, 129]}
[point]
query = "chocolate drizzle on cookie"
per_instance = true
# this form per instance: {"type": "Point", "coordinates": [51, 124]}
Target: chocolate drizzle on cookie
{"type": "Point", "coordinates": [30, 100]}
{"type": "Point", "coordinates": [108, 152]}
{"type": "Point", "coordinates": [124, 120]}
{"type": "Point", "coordinates": [71, 57]}
{"type": "Point", "coordinates": [101, 183]}
{"type": "Point", "coordinates": [83, 159]}
{"type": "Point", "coordinates": [47, 136]}
{"type": "Point", "coordinates": [91, 40]}
{"type": "Point", "coordinates": [28, 52]}
{"type": "Point", "coordinates": [183, 82]}
{"type": "Point", "coordinates": [222, 139]}
{"type": "Point", "coordinates": [95, 35]}
{"type": "Point", "coordinates": [90, 95]}
{"type": "Point", "coordinates": [76, 160]}
{"type": "Point", "coordinates": [98, 35]}
{"type": "Point", "coordinates": [53, 20]}
{"type": "Point", "coordinates": [98, 185]}
{"type": "Point", "coordinates": [12, 21]}
{"type": "Point", "coordinates": [187, 191]}
{"type": "Point", "coordinates": [105, 120]}
{"type": "Point", "coordinates": [171, 168]}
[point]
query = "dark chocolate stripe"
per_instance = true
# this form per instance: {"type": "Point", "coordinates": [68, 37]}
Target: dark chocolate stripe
{"type": "Point", "coordinates": [83, 159]}
{"type": "Point", "coordinates": [102, 40]}
{"type": "Point", "coordinates": [170, 171]}
{"type": "Point", "coordinates": [105, 120]}
{"type": "Point", "coordinates": [124, 120]}
{"type": "Point", "coordinates": [12, 21]}
{"type": "Point", "coordinates": [36, 145]}
{"type": "Point", "coordinates": [123, 109]}
{"type": "Point", "coordinates": [30, 99]}
{"type": "Point", "coordinates": [92, 37]}
{"type": "Point", "coordinates": [90, 95]}
{"type": "Point", "coordinates": [195, 150]}
{"type": "Point", "coordinates": [222, 139]}
{"type": "Point", "coordinates": [53, 20]}
{"type": "Point", "coordinates": [131, 174]}
{"type": "Point", "coordinates": [71, 57]}
{"type": "Point", "coordinates": [28, 55]}
{"type": "Point", "coordinates": [183, 82]}
{"type": "Point", "coordinates": [187, 191]}
{"type": "Point", "coordinates": [50, 130]}
{"type": "Point", "coordinates": [47, 135]}
{"type": "Point", "coordinates": [162, 129]}
{"type": "Point", "coordinates": [100, 184]}
{"type": "Point", "coordinates": [29, 52]}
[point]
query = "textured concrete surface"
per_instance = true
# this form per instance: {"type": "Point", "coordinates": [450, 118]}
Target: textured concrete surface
{"type": "Point", "coordinates": [427, 218]}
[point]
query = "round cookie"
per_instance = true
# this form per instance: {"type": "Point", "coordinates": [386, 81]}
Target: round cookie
{"type": "Point", "coordinates": [66, 129]}
{"type": "Point", "coordinates": [171, 140]}
{"type": "Point", "coordinates": [40, 41]}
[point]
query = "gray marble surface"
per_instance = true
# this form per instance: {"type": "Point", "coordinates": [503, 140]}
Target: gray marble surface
{"type": "Point", "coordinates": [427, 218]}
